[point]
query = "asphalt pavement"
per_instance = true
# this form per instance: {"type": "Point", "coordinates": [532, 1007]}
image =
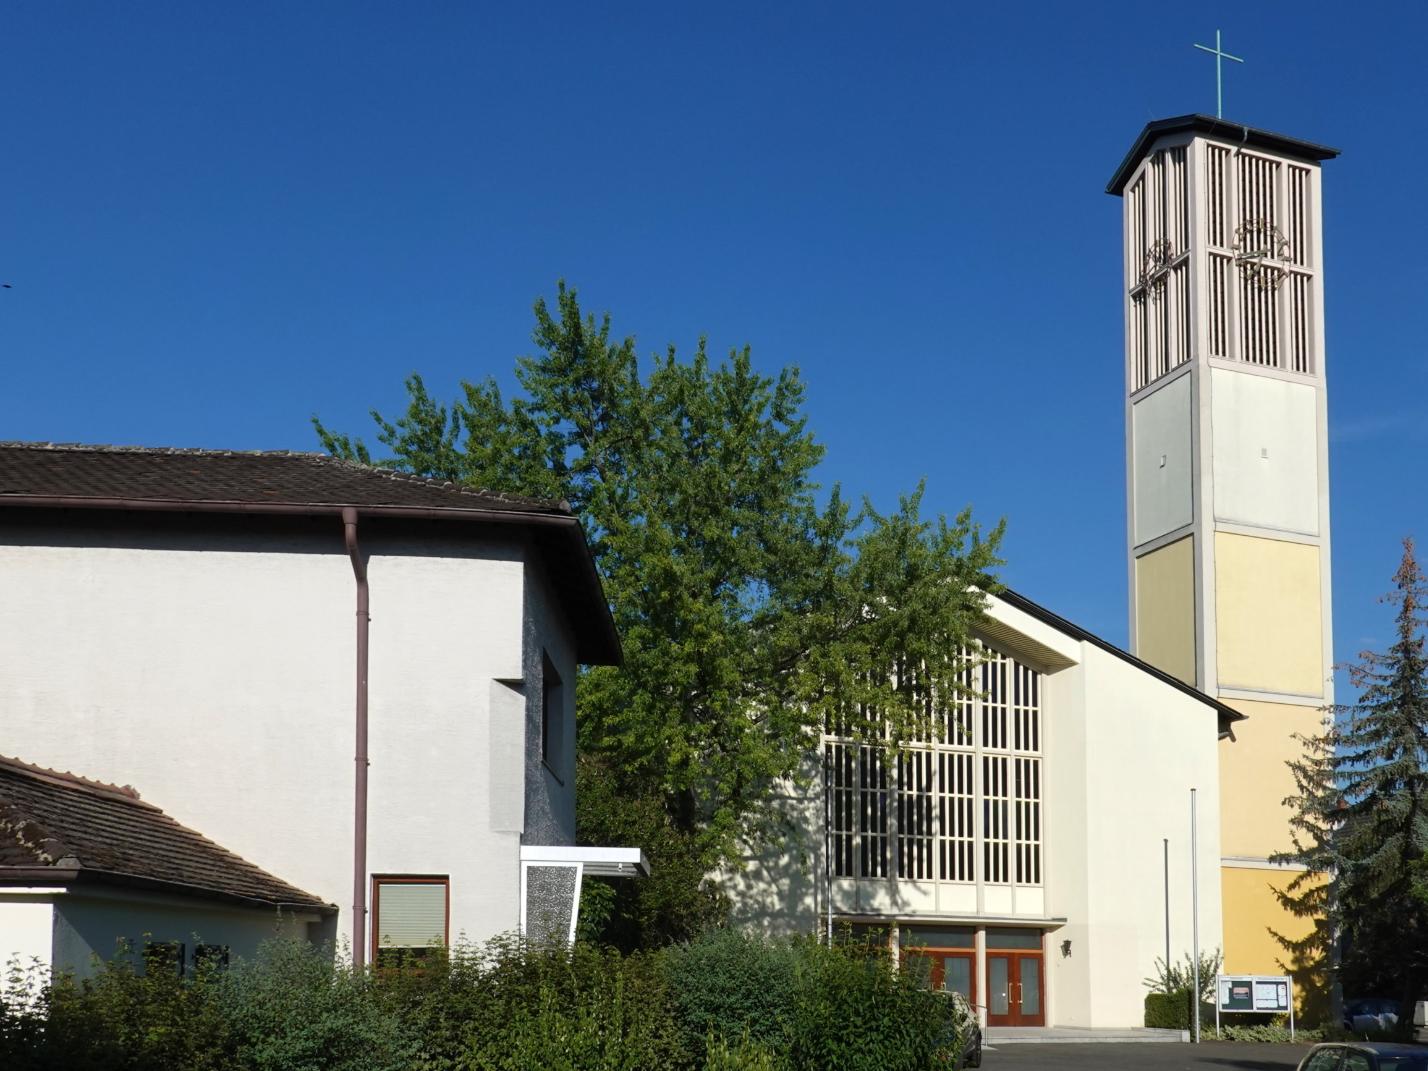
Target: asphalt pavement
{"type": "Point", "coordinates": [1094, 1056]}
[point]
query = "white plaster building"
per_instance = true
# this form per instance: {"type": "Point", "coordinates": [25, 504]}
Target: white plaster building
{"type": "Point", "coordinates": [1034, 846]}
{"type": "Point", "coordinates": [184, 621]}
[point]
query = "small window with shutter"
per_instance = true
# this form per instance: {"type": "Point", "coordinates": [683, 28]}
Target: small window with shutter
{"type": "Point", "coordinates": [409, 915]}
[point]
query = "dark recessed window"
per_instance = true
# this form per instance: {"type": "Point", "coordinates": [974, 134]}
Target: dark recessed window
{"type": "Point", "coordinates": [164, 957]}
{"type": "Point", "coordinates": [552, 720]}
{"type": "Point", "coordinates": [210, 957]}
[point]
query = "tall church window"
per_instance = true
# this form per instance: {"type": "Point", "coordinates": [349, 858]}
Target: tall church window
{"type": "Point", "coordinates": [960, 802]}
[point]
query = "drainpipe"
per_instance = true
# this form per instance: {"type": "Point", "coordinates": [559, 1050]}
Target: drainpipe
{"type": "Point", "coordinates": [359, 813]}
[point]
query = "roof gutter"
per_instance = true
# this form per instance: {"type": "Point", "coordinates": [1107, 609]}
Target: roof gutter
{"type": "Point", "coordinates": [58, 877]}
{"type": "Point", "coordinates": [219, 505]}
{"type": "Point", "coordinates": [359, 809]}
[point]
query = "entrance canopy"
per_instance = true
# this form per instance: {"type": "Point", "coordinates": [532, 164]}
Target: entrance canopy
{"type": "Point", "coordinates": [551, 876]}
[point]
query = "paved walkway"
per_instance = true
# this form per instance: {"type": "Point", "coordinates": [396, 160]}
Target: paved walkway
{"type": "Point", "coordinates": [1093, 1056]}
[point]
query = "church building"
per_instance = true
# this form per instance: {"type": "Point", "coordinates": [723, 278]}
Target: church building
{"type": "Point", "coordinates": [1036, 848]}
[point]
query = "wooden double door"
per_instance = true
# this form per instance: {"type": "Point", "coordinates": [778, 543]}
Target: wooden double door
{"type": "Point", "coordinates": [1016, 988]}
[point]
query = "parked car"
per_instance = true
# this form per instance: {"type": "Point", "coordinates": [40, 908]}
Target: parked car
{"type": "Point", "coordinates": [1370, 1013]}
{"type": "Point", "coordinates": [969, 1032]}
{"type": "Point", "coordinates": [1365, 1056]}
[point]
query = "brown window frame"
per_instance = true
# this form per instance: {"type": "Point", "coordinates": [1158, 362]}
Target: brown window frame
{"type": "Point", "coordinates": [407, 879]}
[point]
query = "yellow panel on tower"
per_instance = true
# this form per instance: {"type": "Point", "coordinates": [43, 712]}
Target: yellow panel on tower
{"type": "Point", "coordinates": [1268, 621]}
{"type": "Point", "coordinates": [1255, 778]}
{"type": "Point", "coordinates": [1165, 608]}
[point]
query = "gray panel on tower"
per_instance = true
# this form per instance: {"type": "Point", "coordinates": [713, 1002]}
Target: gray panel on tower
{"type": "Point", "coordinates": [1161, 461]}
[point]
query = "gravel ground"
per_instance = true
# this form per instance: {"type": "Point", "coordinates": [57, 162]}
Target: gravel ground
{"type": "Point", "coordinates": [1092, 1056]}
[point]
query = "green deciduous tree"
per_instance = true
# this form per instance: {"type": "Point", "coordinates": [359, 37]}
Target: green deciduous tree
{"type": "Point", "coordinates": [1361, 814]}
{"type": "Point", "coordinates": [750, 611]}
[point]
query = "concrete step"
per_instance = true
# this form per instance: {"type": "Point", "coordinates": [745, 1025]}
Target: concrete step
{"type": "Point", "coordinates": [995, 1036]}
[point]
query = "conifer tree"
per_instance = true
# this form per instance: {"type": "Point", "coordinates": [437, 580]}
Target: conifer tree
{"type": "Point", "coordinates": [1361, 824]}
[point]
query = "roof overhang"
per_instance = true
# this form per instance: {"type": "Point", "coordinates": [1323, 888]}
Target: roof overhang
{"type": "Point", "coordinates": [1228, 715]}
{"type": "Point", "coordinates": [1209, 125]}
{"type": "Point", "coordinates": [68, 878]}
{"type": "Point", "coordinates": [594, 862]}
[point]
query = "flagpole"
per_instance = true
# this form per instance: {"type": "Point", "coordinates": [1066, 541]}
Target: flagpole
{"type": "Point", "coordinates": [1195, 914]}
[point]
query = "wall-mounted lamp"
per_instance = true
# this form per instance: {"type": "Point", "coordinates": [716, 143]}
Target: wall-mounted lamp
{"type": "Point", "coordinates": [1066, 949]}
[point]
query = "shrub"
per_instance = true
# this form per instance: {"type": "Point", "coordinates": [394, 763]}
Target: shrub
{"type": "Point", "coordinates": [744, 1055]}
{"type": "Point", "coordinates": [1180, 977]}
{"type": "Point", "coordinates": [855, 1012]}
{"type": "Point", "coordinates": [295, 1008]}
{"type": "Point", "coordinates": [121, 1019]}
{"type": "Point", "coordinates": [1276, 1033]}
{"type": "Point", "coordinates": [725, 1002]}
{"type": "Point", "coordinates": [572, 1010]}
{"type": "Point", "coordinates": [731, 984]}
{"type": "Point", "coordinates": [1168, 1011]}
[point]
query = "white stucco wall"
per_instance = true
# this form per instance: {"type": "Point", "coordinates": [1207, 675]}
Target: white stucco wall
{"type": "Point", "coordinates": [215, 673]}
{"type": "Point", "coordinates": [1146, 745]}
{"type": "Point", "coordinates": [1266, 454]}
{"type": "Point", "coordinates": [90, 925]}
{"type": "Point", "coordinates": [26, 928]}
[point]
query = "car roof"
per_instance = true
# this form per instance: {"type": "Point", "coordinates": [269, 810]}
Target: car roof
{"type": "Point", "coordinates": [1386, 1048]}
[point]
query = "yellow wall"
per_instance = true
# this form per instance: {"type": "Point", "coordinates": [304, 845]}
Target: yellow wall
{"type": "Point", "coordinates": [1250, 912]}
{"type": "Point", "coordinates": [1255, 777]}
{"type": "Point", "coordinates": [1267, 615]}
{"type": "Point", "coordinates": [1165, 609]}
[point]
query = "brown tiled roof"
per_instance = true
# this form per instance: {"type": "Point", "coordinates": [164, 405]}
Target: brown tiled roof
{"type": "Point", "coordinates": [61, 827]}
{"type": "Point", "coordinates": [169, 480]}
{"type": "Point", "coordinates": [158, 474]}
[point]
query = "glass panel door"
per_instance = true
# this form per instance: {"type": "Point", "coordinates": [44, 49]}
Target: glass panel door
{"type": "Point", "coordinates": [1029, 987]}
{"type": "Point", "coordinates": [957, 975]}
{"type": "Point", "coordinates": [999, 990]}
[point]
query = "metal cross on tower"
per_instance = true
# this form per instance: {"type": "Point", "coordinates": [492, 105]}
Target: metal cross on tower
{"type": "Point", "coordinates": [1220, 55]}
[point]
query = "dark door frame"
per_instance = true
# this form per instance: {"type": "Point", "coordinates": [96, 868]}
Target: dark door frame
{"type": "Point", "coordinates": [1014, 1015]}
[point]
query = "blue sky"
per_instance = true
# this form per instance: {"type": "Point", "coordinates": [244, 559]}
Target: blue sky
{"type": "Point", "coordinates": [220, 219]}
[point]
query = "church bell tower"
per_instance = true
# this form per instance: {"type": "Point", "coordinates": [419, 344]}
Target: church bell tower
{"type": "Point", "coordinates": [1227, 476]}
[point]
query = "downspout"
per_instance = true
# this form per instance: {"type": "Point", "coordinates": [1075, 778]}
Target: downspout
{"type": "Point", "coordinates": [359, 812]}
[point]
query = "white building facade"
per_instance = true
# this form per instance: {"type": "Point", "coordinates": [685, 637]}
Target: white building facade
{"type": "Point", "coordinates": [1035, 847]}
{"type": "Point", "coordinates": [194, 633]}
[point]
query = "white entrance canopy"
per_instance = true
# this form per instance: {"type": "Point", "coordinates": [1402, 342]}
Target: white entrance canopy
{"type": "Point", "coordinates": [551, 876]}
{"type": "Point", "coordinates": [596, 862]}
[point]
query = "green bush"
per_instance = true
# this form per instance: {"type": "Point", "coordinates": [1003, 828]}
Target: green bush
{"type": "Point", "coordinates": [855, 1012]}
{"type": "Point", "coordinates": [744, 1055]}
{"type": "Point", "coordinates": [572, 1010]}
{"type": "Point", "coordinates": [725, 1002]}
{"type": "Point", "coordinates": [1276, 1033]}
{"type": "Point", "coordinates": [1168, 1011]}
{"type": "Point", "coordinates": [728, 983]}
{"type": "Point", "coordinates": [294, 1008]}
{"type": "Point", "coordinates": [123, 1019]}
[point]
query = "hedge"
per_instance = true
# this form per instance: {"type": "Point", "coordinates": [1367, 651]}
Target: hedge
{"type": "Point", "coordinates": [1168, 1011]}
{"type": "Point", "coordinates": [726, 1002]}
